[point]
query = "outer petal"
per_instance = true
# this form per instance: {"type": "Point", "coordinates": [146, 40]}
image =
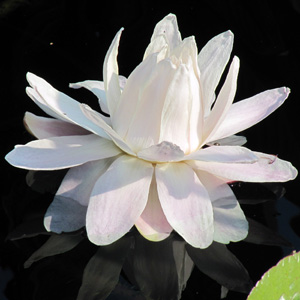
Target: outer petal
{"type": "Point", "coordinates": [42, 127]}
{"type": "Point", "coordinates": [212, 60]}
{"type": "Point", "coordinates": [64, 215]}
{"type": "Point", "coordinates": [228, 154]}
{"type": "Point", "coordinates": [61, 152]}
{"type": "Point", "coordinates": [152, 223]}
{"type": "Point", "coordinates": [248, 112]}
{"type": "Point", "coordinates": [167, 28]}
{"type": "Point", "coordinates": [97, 119]}
{"type": "Point", "coordinates": [223, 102]}
{"type": "Point", "coordinates": [79, 181]}
{"type": "Point", "coordinates": [185, 202]}
{"type": "Point", "coordinates": [97, 88]}
{"type": "Point", "coordinates": [118, 199]}
{"type": "Point", "coordinates": [111, 75]}
{"type": "Point", "coordinates": [268, 168]}
{"type": "Point", "coordinates": [233, 140]}
{"type": "Point", "coordinates": [61, 105]}
{"type": "Point", "coordinates": [230, 223]}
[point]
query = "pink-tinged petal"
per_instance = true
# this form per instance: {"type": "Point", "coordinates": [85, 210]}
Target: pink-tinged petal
{"type": "Point", "coordinates": [43, 128]}
{"type": "Point", "coordinates": [61, 152]}
{"type": "Point", "coordinates": [145, 91]}
{"type": "Point", "coordinates": [79, 181]}
{"type": "Point", "coordinates": [111, 75]}
{"type": "Point", "coordinates": [233, 140]}
{"type": "Point", "coordinates": [248, 112]}
{"type": "Point", "coordinates": [163, 152]}
{"type": "Point", "coordinates": [168, 28]}
{"type": "Point", "coordinates": [97, 119]}
{"type": "Point", "coordinates": [268, 168]}
{"type": "Point", "coordinates": [118, 199]}
{"type": "Point", "coordinates": [185, 202]}
{"type": "Point", "coordinates": [62, 105]}
{"type": "Point", "coordinates": [230, 223]}
{"type": "Point", "coordinates": [212, 60]}
{"type": "Point", "coordinates": [180, 114]}
{"type": "Point", "coordinates": [64, 215]}
{"type": "Point", "coordinates": [152, 224]}
{"type": "Point", "coordinates": [97, 88]}
{"type": "Point", "coordinates": [224, 154]}
{"type": "Point", "coordinates": [223, 102]}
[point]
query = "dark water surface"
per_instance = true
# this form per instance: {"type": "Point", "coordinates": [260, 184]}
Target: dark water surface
{"type": "Point", "coordinates": [66, 41]}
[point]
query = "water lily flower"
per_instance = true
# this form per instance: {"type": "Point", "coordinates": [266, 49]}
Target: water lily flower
{"type": "Point", "coordinates": [163, 157]}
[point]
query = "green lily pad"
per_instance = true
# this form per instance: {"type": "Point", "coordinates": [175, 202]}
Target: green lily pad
{"type": "Point", "coordinates": [281, 282]}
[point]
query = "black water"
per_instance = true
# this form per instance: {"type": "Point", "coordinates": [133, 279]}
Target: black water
{"type": "Point", "coordinates": [66, 41]}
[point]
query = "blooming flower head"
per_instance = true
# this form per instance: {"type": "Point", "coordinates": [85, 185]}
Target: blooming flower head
{"type": "Point", "coordinates": [163, 157]}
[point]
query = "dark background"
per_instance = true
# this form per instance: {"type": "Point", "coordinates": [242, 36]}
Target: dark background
{"type": "Point", "coordinates": [66, 41]}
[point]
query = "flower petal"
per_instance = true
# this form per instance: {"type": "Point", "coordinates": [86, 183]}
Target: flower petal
{"type": "Point", "coordinates": [233, 140]}
{"type": "Point", "coordinates": [97, 119]}
{"type": "Point", "coordinates": [152, 224]}
{"type": "Point", "coordinates": [163, 152]}
{"type": "Point", "coordinates": [97, 88]}
{"type": "Point", "coordinates": [62, 105]}
{"type": "Point", "coordinates": [79, 181]}
{"type": "Point", "coordinates": [64, 215]}
{"type": "Point", "coordinates": [118, 199]}
{"type": "Point", "coordinates": [168, 28]}
{"type": "Point", "coordinates": [61, 152]}
{"type": "Point", "coordinates": [230, 223]}
{"type": "Point", "coordinates": [268, 168]}
{"type": "Point", "coordinates": [180, 115]}
{"type": "Point", "coordinates": [246, 113]}
{"type": "Point", "coordinates": [42, 127]}
{"type": "Point", "coordinates": [223, 102]}
{"type": "Point", "coordinates": [224, 154]}
{"type": "Point", "coordinates": [145, 91]}
{"type": "Point", "coordinates": [212, 60]}
{"type": "Point", "coordinates": [111, 75]}
{"type": "Point", "coordinates": [185, 202]}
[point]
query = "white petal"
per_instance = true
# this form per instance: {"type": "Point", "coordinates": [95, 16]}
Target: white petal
{"type": "Point", "coordinates": [79, 181]}
{"type": "Point", "coordinates": [212, 60]}
{"type": "Point", "coordinates": [97, 119]}
{"type": "Point", "coordinates": [185, 202]}
{"type": "Point", "coordinates": [111, 75]}
{"type": "Point", "coordinates": [268, 168]}
{"type": "Point", "coordinates": [38, 100]}
{"type": "Point", "coordinates": [224, 154]}
{"type": "Point", "coordinates": [64, 215]}
{"type": "Point", "coordinates": [61, 152]}
{"type": "Point", "coordinates": [152, 223]}
{"type": "Point", "coordinates": [97, 88]}
{"type": "Point", "coordinates": [168, 28]}
{"type": "Point", "coordinates": [246, 113]}
{"type": "Point", "coordinates": [163, 152]}
{"type": "Point", "coordinates": [62, 105]}
{"type": "Point", "coordinates": [223, 102]}
{"type": "Point", "coordinates": [180, 115]}
{"type": "Point", "coordinates": [137, 118]}
{"type": "Point", "coordinates": [118, 199]}
{"type": "Point", "coordinates": [42, 127]}
{"type": "Point", "coordinates": [233, 140]}
{"type": "Point", "coordinates": [230, 223]}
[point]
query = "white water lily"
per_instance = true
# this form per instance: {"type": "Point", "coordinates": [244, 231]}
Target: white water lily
{"type": "Point", "coordinates": [162, 159]}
